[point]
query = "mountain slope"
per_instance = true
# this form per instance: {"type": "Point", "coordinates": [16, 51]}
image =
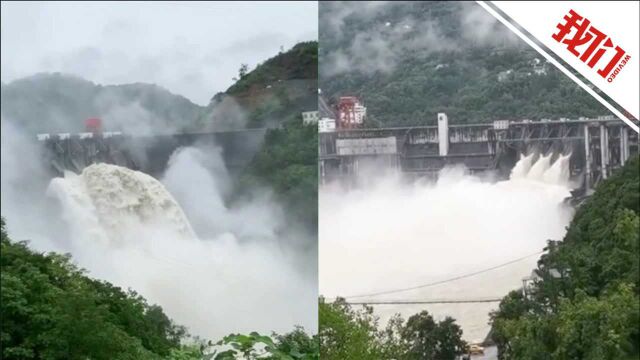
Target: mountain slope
{"type": "Point", "coordinates": [282, 86]}
{"type": "Point", "coordinates": [60, 103]}
{"type": "Point", "coordinates": [410, 60]}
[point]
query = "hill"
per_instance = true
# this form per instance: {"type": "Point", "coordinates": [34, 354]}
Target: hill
{"type": "Point", "coordinates": [60, 103]}
{"type": "Point", "coordinates": [274, 95]}
{"type": "Point", "coordinates": [280, 87]}
{"type": "Point", "coordinates": [410, 60]}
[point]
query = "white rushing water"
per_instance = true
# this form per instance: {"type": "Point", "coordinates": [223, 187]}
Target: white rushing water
{"type": "Point", "coordinates": [392, 236]}
{"type": "Point", "coordinates": [127, 228]}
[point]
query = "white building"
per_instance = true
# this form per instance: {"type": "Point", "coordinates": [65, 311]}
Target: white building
{"type": "Point", "coordinates": [326, 125]}
{"type": "Point", "coordinates": [361, 113]}
{"type": "Point", "coordinates": [310, 117]}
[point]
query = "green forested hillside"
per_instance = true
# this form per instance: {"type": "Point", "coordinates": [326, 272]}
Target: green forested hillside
{"type": "Point", "coordinates": [280, 87]}
{"type": "Point", "coordinates": [287, 161]}
{"type": "Point", "coordinates": [410, 60]}
{"type": "Point", "coordinates": [51, 310]}
{"type": "Point", "coordinates": [299, 62]}
{"type": "Point", "coordinates": [585, 304]}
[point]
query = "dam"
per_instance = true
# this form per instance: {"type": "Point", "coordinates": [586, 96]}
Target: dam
{"type": "Point", "coordinates": [149, 153]}
{"type": "Point", "coordinates": [596, 146]}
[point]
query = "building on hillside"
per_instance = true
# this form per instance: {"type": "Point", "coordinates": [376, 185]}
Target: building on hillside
{"type": "Point", "coordinates": [310, 117]}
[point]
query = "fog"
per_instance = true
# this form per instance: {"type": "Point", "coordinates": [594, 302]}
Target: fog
{"type": "Point", "coordinates": [214, 266]}
{"type": "Point", "coordinates": [217, 263]}
{"type": "Point", "coordinates": [384, 38]}
{"type": "Point", "coordinates": [393, 234]}
{"type": "Point", "coordinates": [190, 48]}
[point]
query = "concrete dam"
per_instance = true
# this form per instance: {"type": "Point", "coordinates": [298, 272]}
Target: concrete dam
{"type": "Point", "coordinates": [597, 147]}
{"type": "Point", "coordinates": [148, 154]}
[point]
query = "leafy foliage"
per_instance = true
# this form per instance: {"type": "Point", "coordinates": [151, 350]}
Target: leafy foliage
{"type": "Point", "coordinates": [346, 333]}
{"type": "Point", "coordinates": [300, 62]}
{"type": "Point", "coordinates": [591, 311]}
{"type": "Point", "coordinates": [296, 345]}
{"type": "Point", "coordinates": [51, 310]}
{"type": "Point", "coordinates": [287, 162]}
{"type": "Point", "coordinates": [427, 339]}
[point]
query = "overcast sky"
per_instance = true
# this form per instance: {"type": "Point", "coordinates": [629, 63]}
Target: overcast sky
{"type": "Point", "coordinates": [192, 49]}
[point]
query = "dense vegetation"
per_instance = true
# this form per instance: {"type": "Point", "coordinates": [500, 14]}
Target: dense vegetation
{"type": "Point", "coordinates": [410, 60]}
{"type": "Point", "coordinates": [278, 88]}
{"type": "Point", "coordinates": [51, 310]}
{"type": "Point", "coordinates": [287, 163]}
{"type": "Point", "coordinates": [300, 62]}
{"type": "Point", "coordinates": [352, 334]}
{"type": "Point", "coordinates": [585, 304]}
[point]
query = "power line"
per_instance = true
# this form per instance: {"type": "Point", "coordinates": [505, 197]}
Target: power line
{"type": "Point", "coordinates": [443, 281]}
{"type": "Point", "coordinates": [421, 302]}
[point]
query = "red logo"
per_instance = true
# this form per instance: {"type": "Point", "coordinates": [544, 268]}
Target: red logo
{"type": "Point", "coordinates": [594, 44]}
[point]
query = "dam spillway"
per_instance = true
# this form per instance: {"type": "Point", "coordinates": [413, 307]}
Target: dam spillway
{"type": "Point", "coordinates": [596, 147]}
{"type": "Point", "coordinates": [149, 153]}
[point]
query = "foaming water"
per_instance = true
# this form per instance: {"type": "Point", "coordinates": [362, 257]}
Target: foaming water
{"type": "Point", "coordinates": [109, 203]}
{"type": "Point", "coordinates": [127, 228]}
{"type": "Point", "coordinates": [390, 236]}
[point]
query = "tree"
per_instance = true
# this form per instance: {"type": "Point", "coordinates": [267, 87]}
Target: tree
{"type": "Point", "coordinates": [242, 72]}
{"type": "Point", "coordinates": [347, 334]}
{"type": "Point", "coordinates": [427, 339]}
{"type": "Point", "coordinates": [51, 310]}
{"type": "Point", "coordinates": [605, 328]}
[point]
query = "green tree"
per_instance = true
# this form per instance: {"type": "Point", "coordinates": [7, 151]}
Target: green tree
{"type": "Point", "coordinates": [51, 310]}
{"type": "Point", "coordinates": [427, 339]}
{"type": "Point", "coordinates": [603, 328]}
{"type": "Point", "coordinates": [242, 72]}
{"type": "Point", "coordinates": [347, 334]}
{"type": "Point", "coordinates": [287, 163]}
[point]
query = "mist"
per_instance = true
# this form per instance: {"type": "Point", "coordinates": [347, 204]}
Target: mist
{"type": "Point", "coordinates": [191, 48]}
{"type": "Point", "coordinates": [384, 37]}
{"type": "Point", "coordinates": [393, 234]}
{"type": "Point", "coordinates": [214, 265]}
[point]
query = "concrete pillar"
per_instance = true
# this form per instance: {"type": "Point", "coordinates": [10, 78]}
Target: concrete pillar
{"type": "Point", "coordinates": [443, 134]}
{"type": "Point", "coordinates": [587, 158]}
{"type": "Point", "coordinates": [604, 150]}
{"type": "Point", "coordinates": [624, 145]}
